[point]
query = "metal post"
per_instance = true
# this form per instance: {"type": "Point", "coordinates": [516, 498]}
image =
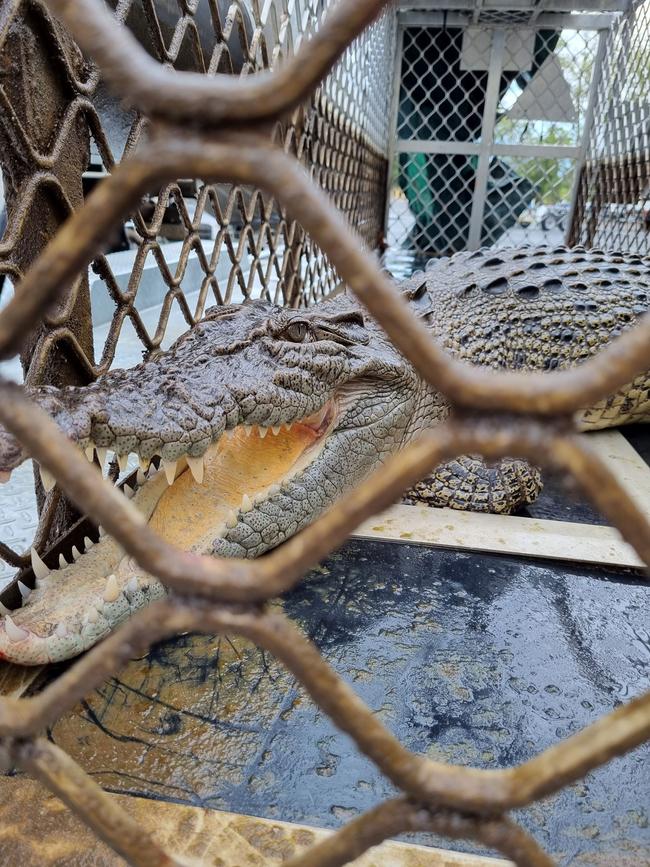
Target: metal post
{"type": "Point", "coordinates": [487, 138]}
{"type": "Point", "coordinates": [394, 111]}
{"type": "Point", "coordinates": [586, 132]}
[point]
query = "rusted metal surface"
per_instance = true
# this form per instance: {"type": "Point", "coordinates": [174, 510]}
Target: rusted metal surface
{"type": "Point", "coordinates": [526, 416]}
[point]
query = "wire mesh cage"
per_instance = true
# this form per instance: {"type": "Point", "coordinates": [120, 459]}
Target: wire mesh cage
{"type": "Point", "coordinates": [613, 203]}
{"type": "Point", "coordinates": [219, 130]}
{"type": "Point", "coordinates": [189, 244]}
{"type": "Point", "coordinates": [491, 122]}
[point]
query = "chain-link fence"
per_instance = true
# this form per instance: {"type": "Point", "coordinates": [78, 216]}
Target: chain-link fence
{"type": "Point", "coordinates": [490, 128]}
{"type": "Point", "coordinates": [188, 244]}
{"type": "Point", "coordinates": [613, 203]}
{"type": "Point", "coordinates": [217, 130]}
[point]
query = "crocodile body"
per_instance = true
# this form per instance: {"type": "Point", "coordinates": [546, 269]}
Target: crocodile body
{"type": "Point", "coordinates": [262, 417]}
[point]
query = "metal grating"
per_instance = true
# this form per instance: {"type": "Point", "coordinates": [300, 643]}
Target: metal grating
{"type": "Point", "coordinates": [495, 414]}
{"type": "Point", "coordinates": [491, 126]}
{"type": "Point", "coordinates": [188, 244]}
{"type": "Point", "coordinates": [613, 201]}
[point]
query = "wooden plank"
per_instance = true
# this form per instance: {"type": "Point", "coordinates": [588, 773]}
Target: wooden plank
{"type": "Point", "coordinates": [36, 828]}
{"type": "Point", "coordinates": [531, 537]}
{"type": "Point", "coordinates": [626, 463]}
{"type": "Point", "coordinates": [501, 534]}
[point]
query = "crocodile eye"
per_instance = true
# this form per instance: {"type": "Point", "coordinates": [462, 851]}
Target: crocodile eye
{"type": "Point", "coordinates": [296, 332]}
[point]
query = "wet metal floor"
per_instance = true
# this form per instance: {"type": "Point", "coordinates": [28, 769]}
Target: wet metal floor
{"type": "Point", "coordinates": [479, 660]}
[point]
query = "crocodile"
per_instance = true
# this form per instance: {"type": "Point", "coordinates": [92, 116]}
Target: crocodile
{"type": "Point", "coordinates": [257, 419]}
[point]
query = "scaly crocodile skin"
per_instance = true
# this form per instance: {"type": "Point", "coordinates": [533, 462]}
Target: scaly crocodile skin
{"type": "Point", "coordinates": [265, 416]}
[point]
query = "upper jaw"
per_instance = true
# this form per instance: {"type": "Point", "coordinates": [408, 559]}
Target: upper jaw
{"type": "Point", "coordinates": [72, 609]}
{"type": "Point", "coordinates": [191, 445]}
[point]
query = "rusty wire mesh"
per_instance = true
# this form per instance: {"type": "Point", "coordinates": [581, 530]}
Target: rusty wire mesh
{"type": "Point", "coordinates": [613, 202]}
{"type": "Point", "coordinates": [495, 414]}
{"type": "Point", "coordinates": [185, 244]}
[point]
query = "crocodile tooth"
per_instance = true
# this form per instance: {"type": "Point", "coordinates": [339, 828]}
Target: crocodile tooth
{"type": "Point", "coordinates": [112, 590]}
{"type": "Point", "coordinates": [4, 610]}
{"type": "Point", "coordinates": [61, 630]}
{"type": "Point", "coordinates": [129, 493]}
{"type": "Point", "coordinates": [89, 451]}
{"type": "Point", "coordinates": [102, 531]}
{"type": "Point", "coordinates": [122, 462]}
{"type": "Point", "coordinates": [14, 633]}
{"type": "Point", "coordinates": [263, 431]}
{"type": "Point", "coordinates": [62, 562]}
{"type": "Point", "coordinates": [92, 615]}
{"type": "Point", "coordinates": [141, 476]}
{"type": "Point", "coordinates": [75, 553]}
{"type": "Point", "coordinates": [196, 468]}
{"type": "Point", "coordinates": [248, 429]}
{"type": "Point", "coordinates": [88, 543]}
{"type": "Point", "coordinates": [274, 489]}
{"type": "Point", "coordinates": [101, 454]}
{"type": "Point", "coordinates": [47, 478]}
{"type": "Point", "coordinates": [24, 591]}
{"type": "Point", "coordinates": [170, 470]}
{"type": "Point", "coordinates": [132, 584]}
{"type": "Point", "coordinates": [144, 463]}
{"type": "Point", "coordinates": [246, 504]}
{"type": "Point", "coordinates": [231, 520]}
{"type": "Point", "coordinates": [276, 429]}
{"type": "Point", "coordinates": [38, 567]}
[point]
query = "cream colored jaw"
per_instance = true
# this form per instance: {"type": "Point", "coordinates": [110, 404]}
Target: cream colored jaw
{"type": "Point", "coordinates": [78, 603]}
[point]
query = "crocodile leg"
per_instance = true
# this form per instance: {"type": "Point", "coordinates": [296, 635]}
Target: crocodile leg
{"type": "Point", "coordinates": [469, 483]}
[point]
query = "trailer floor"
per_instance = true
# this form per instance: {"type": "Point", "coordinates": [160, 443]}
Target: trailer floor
{"type": "Point", "coordinates": [477, 659]}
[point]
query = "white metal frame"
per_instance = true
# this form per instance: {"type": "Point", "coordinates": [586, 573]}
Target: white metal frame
{"type": "Point", "coordinates": [487, 148]}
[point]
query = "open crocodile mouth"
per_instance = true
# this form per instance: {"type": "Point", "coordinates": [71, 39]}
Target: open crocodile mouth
{"type": "Point", "coordinates": [77, 604]}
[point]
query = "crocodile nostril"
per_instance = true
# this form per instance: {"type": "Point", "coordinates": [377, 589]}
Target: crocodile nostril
{"type": "Point", "coordinates": [528, 291]}
{"type": "Point", "coordinates": [496, 287]}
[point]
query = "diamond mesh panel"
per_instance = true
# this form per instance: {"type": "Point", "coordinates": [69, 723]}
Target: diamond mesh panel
{"type": "Point", "coordinates": [613, 205]}
{"type": "Point", "coordinates": [530, 415]}
{"type": "Point", "coordinates": [547, 103]}
{"type": "Point", "coordinates": [439, 99]}
{"type": "Point", "coordinates": [432, 207]}
{"type": "Point", "coordinates": [487, 163]}
{"type": "Point", "coordinates": [189, 245]}
{"type": "Point", "coordinates": [536, 190]}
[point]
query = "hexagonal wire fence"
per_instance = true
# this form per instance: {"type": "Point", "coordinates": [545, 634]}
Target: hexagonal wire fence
{"type": "Point", "coordinates": [218, 129]}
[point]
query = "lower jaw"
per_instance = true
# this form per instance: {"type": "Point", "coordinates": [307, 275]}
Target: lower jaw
{"type": "Point", "coordinates": [238, 470]}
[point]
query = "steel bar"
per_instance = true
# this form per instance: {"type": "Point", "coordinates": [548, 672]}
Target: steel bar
{"type": "Point", "coordinates": [400, 815]}
{"type": "Point", "coordinates": [210, 100]}
{"type": "Point", "coordinates": [63, 776]}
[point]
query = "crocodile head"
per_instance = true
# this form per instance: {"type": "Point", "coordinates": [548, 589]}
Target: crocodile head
{"type": "Point", "coordinates": [249, 427]}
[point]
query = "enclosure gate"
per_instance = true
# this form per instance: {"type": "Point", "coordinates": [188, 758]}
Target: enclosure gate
{"type": "Point", "coordinates": [491, 122]}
